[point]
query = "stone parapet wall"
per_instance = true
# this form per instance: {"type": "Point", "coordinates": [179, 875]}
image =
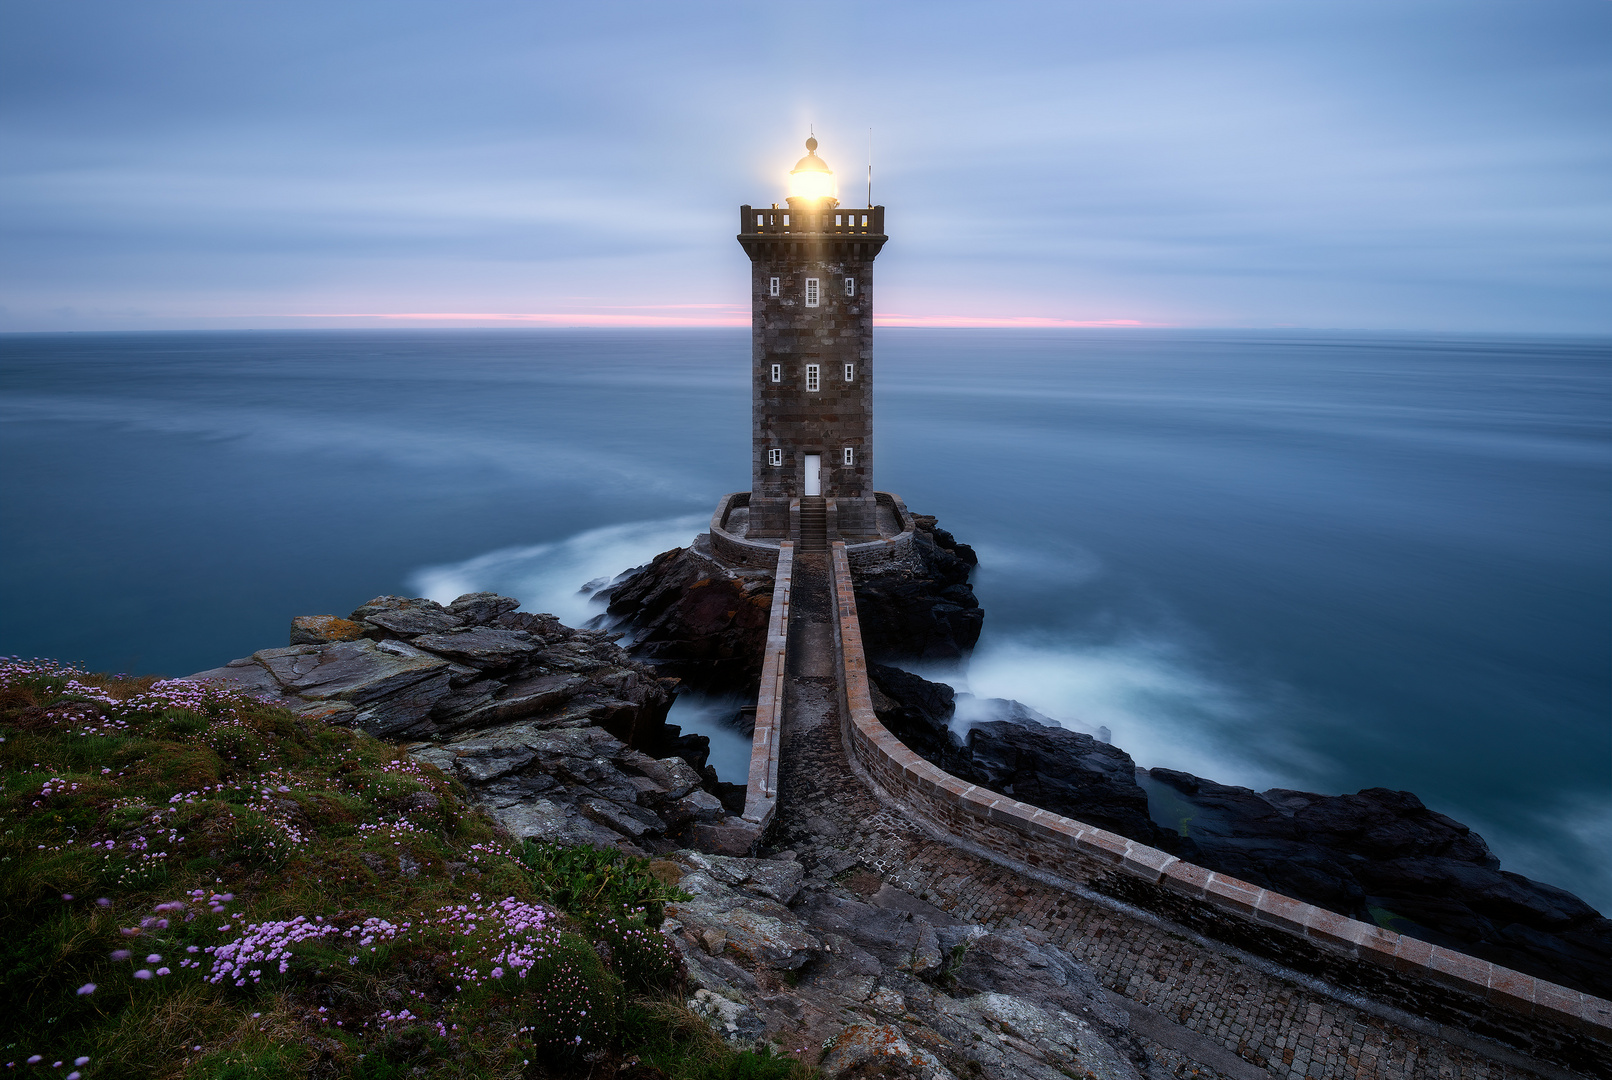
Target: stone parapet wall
{"type": "Point", "coordinates": [865, 557]}
{"type": "Point", "coordinates": [874, 555]}
{"type": "Point", "coordinates": [1551, 1022]}
{"type": "Point", "coordinates": [737, 550]}
{"type": "Point", "coordinates": [761, 791]}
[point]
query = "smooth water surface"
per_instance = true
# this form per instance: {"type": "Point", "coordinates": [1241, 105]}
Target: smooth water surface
{"type": "Point", "coordinates": [1312, 560]}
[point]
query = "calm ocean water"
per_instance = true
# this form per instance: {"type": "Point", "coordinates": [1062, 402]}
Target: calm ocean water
{"type": "Point", "coordinates": [1316, 560]}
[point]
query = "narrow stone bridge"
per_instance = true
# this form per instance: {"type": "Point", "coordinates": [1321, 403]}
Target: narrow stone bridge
{"type": "Point", "coordinates": [1218, 976]}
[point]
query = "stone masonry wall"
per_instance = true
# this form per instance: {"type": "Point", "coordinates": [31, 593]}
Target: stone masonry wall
{"type": "Point", "coordinates": [785, 415]}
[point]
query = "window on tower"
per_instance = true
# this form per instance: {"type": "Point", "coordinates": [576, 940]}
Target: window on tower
{"type": "Point", "coordinates": [850, 286]}
{"type": "Point", "coordinates": [775, 457]}
{"type": "Point", "coordinates": [772, 286]}
{"type": "Point", "coordinates": [850, 373]}
{"type": "Point", "coordinates": [778, 373]}
{"type": "Point", "coordinates": [812, 378]}
{"type": "Point", "coordinates": [811, 292]}
{"type": "Point", "coordinates": [850, 456]}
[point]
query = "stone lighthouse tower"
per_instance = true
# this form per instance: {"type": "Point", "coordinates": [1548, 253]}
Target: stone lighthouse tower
{"type": "Point", "coordinates": [811, 289]}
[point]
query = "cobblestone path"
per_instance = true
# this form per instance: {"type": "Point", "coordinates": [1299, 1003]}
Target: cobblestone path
{"type": "Point", "coordinates": [1184, 996]}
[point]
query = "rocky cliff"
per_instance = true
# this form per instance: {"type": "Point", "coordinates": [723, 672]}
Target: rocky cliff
{"type": "Point", "coordinates": [557, 733]}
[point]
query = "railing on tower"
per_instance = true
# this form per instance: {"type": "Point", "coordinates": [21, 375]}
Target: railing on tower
{"type": "Point", "coordinates": [840, 221]}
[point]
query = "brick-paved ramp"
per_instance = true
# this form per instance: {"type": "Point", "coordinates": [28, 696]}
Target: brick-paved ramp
{"type": "Point", "coordinates": [1199, 1005]}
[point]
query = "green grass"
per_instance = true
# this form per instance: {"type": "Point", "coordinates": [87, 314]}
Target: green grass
{"type": "Point", "coordinates": [319, 905]}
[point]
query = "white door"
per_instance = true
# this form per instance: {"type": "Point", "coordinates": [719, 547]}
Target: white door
{"type": "Point", "coordinates": [814, 474]}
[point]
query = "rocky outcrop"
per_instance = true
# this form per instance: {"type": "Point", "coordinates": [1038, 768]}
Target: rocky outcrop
{"type": "Point", "coordinates": [696, 618]}
{"type": "Point", "coordinates": [883, 983]}
{"type": "Point", "coordinates": [1379, 856]}
{"type": "Point", "coordinates": [1017, 752]}
{"type": "Point", "coordinates": [582, 785]}
{"type": "Point", "coordinates": [412, 669]}
{"type": "Point", "coordinates": [921, 607]}
{"type": "Point", "coordinates": [557, 733]}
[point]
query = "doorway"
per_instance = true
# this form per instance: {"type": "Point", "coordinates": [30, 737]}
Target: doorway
{"type": "Point", "coordinates": [814, 475]}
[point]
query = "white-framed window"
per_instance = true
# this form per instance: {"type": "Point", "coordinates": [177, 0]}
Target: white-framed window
{"type": "Point", "coordinates": [850, 373]}
{"type": "Point", "coordinates": [778, 373]}
{"type": "Point", "coordinates": [812, 379]}
{"type": "Point", "coordinates": [850, 456]}
{"type": "Point", "coordinates": [772, 286]}
{"type": "Point", "coordinates": [775, 457]}
{"type": "Point", "coordinates": [850, 286]}
{"type": "Point", "coordinates": [811, 292]}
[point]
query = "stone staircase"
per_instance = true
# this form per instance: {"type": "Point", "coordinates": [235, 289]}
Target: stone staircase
{"type": "Point", "coordinates": [813, 523]}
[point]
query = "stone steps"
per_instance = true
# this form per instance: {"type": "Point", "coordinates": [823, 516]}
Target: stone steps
{"type": "Point", "coordinates": [813, 524]}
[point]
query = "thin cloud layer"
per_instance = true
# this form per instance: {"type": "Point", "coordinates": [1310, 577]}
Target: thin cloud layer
{"type": "Point", "coordinates": [1346, 163]}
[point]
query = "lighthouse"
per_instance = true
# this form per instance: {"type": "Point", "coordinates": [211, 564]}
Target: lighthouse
{"type": "Point", "coordinates": [811, 290]}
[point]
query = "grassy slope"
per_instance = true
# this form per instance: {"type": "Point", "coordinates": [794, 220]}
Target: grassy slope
{"type": "Point", "coordinates": [311, 904]}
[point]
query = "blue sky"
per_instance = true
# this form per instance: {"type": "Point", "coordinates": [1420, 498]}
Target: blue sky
{"type": "Point", "coordinates": [1413, 164]}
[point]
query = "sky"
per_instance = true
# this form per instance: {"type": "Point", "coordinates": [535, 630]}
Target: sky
{"type": "Point", "coordinates": [1357, 164]}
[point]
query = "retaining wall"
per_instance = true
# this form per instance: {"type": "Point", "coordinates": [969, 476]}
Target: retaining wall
{"type": "Point", "coordinates": [1551, 1022]}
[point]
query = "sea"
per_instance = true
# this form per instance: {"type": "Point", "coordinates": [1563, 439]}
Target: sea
{"type": "Point", "coordinates": [1316, 560]}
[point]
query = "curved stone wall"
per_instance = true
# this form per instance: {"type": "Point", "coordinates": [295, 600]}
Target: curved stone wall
{"type": "Point", "coordinates": [1551, 1021]}
{"type": "Point", "coordinates": [763, 555]}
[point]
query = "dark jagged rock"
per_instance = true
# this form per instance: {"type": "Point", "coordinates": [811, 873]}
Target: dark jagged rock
{"type": "Point", "coordinates": [693, 616]}
{"type": "Point", "coordinates": [922, 607]}
{"type": "Point", "coordinates": [1381, 856]}
{"type": "Point", "coordinates": [696, 618]}
{"type": "Point", "coordinates": [1064, 771]}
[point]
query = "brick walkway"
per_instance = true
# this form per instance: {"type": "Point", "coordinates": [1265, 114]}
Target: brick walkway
{"type": "Point", "coordinates": [1181, 992]}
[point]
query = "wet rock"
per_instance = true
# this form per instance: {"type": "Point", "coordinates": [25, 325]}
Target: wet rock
{"type": "Point", "coordinates": [923, 607]}
{"type": "Point", "coordinates": [697, 619]}
{"type": "Point", "coordinates": [1026, 757]}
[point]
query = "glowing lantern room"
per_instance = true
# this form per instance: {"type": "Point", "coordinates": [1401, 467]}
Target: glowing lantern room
{"type": "Point", "coordinates": [811, 179]}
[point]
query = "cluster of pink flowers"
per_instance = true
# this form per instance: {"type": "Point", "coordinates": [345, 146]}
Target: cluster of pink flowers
{"type": "Point", "coordinates": [39, 1059]}
{"type": "Point", "coordinates": [264, 943]}
{"type": "Point", "coordinates": [54, 786]}
{"type": "Point", "coordinates": [511, 940]}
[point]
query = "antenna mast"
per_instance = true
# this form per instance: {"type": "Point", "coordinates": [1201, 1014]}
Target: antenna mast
{"type": "Point", "coordinates": [870, 168]}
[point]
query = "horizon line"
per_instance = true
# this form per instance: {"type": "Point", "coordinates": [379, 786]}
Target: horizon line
{"type": "Point", "coordinates": [601, 319]}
